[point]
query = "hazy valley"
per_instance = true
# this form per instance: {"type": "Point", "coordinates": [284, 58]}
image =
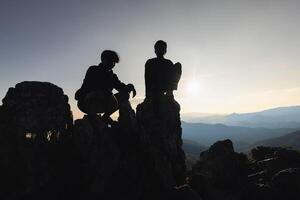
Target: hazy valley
{"type": "Point", "coordinates": [272, 127]}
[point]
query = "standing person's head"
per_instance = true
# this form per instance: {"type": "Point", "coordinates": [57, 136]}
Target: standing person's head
{"type": "Point", "coordinates": [109, 58]}
{"type": "Point", "coordinates": [160, 48]}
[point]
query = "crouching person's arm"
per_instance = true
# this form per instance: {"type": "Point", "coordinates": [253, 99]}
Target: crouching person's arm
{"type": "Point", "coordinates": [123, 89]}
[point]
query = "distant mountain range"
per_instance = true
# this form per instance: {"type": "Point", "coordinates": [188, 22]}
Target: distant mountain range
{"type": "Point", "coordinates": [281, 117]}
{"type": "Point", "coordinates": [272, 127]}
{"type": "Point", "coordinates": [289, 140]}
{"type": "Point", "coordinates": [242, 137]}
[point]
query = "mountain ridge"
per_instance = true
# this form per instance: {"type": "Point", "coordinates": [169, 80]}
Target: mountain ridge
{"type": "Point", "coordinates": [206, 134]}
{"type": "Point", "coordinates": [291, 140]}
{"type": "Point", "coordinates": [279, 117]}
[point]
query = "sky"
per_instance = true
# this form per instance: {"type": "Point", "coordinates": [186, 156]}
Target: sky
{"type": "Point", "coordinates": [237, 55]}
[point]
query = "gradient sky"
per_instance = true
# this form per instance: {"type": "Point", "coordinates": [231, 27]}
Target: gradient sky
{"type": "Point", "coordinates": [244, 55]}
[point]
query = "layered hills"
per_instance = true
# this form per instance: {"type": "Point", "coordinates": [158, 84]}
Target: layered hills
{"type": "Point", "coordinates": [281, 117]}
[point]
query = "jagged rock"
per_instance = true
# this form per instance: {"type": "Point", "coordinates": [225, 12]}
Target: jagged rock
{"type": "Point", "coordinates": [223, 174]}
{"type": "Point", "coordinates": [52, 159]}
{"type": "Point", "coordinates": [219, 171]}
{"type": "Point", "coordinates": [161, 137]}
{"type": "Point", "coordinates": [259, 192]}
{"type": "Point", "coordinates": [37, 109]}
{"type": "Point", "coordinates": [184, 192]}
{"type": "Point", "coordinates": [274, 176]}
{"type": "Point", "coordinates": [34, 118]}
{"type": "Point", "coordinates": [288, 156]}
{"type": "Point", "coordinates": [127, 161]}
{"type": "Point", "coordinates": [262, 153]}
{"type": "Point", "coordinates": [286, 183]}
{"type": "Point", "coordinates": [276, 159]}
{"type": "Point", "coordinates": [221, 165]}
{"type": "Point", "coordinates": [42, 156]}
{"type": "Point", "coordinates": [111, 160]}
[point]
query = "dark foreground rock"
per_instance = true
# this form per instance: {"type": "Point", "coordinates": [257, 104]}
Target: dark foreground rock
{"type": "Point", "coordinates": [35, 154]}
{"type": "Point", "coordinates": [110, 159]}
{"type": "Point", "coordinates": [220, 172]}
{"type": "Point", "coordinates": [286, 183]}
{"type": "Point", "coordinates": [43, 155]}
{"type": "Point", "coordinates": [37, 109]}
{"type": "Point", "coordinates": [271, 173]}
{"type": "Point", "coordinates": [161, 135]}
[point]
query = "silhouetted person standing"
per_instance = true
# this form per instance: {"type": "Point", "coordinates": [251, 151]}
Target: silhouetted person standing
{"type": "Point", "coordinates": [161, 75]}
{"type": "Point", "coordinates": [95, 95]}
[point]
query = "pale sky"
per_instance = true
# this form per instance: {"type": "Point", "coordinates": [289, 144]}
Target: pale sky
{"type": "Point", "coordinates": [240, 55]}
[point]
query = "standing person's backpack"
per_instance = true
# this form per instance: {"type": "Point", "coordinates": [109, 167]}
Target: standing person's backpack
{"type": "Point", "coordinates": [175, 75]}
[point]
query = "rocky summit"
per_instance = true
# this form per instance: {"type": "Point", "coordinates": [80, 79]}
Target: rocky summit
{"type": "Point", "coordinates": [45, 155]}
{"type": "Point", "coordinates": [161, 134]}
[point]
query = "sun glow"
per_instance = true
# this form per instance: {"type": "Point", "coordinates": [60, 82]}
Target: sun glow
{"type": "Point", "coordinates": [193, 87]}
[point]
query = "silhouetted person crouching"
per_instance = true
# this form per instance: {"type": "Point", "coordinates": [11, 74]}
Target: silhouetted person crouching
{"type": "Point", "coordinates": [95, 95]}
{"type": "Point", "coordinates": [161, 75]}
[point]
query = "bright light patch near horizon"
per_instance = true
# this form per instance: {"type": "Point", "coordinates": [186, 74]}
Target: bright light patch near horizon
{"type": "Point", "coordinates": [193, 87]}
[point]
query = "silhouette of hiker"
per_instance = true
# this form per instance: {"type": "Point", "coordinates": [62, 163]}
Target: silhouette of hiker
{"type": "Point", "coordinates": [161, 75]}
{"type": "Point", "coordinates": [95, 95]}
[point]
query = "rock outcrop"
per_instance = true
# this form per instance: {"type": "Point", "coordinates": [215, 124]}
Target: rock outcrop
{"type": "Point", "coordinates": [220, 171]}
{"type": "Point", "coordinates": [286, 183]}
{"type": "Point", "coordinates": [36, 123]}
{"type": "Point", "coordinates": [110, 158]}
{"type": "Point", "coordinates": [37, 110]}
{"type": "Point", "coordinates": [43, 155]}
{"type": "Point", "coordinates": [137, 158]}
{"type": "Point", "coordinates": [271, 173]}
{"type": "Point", "coordinates": [161, 135]}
